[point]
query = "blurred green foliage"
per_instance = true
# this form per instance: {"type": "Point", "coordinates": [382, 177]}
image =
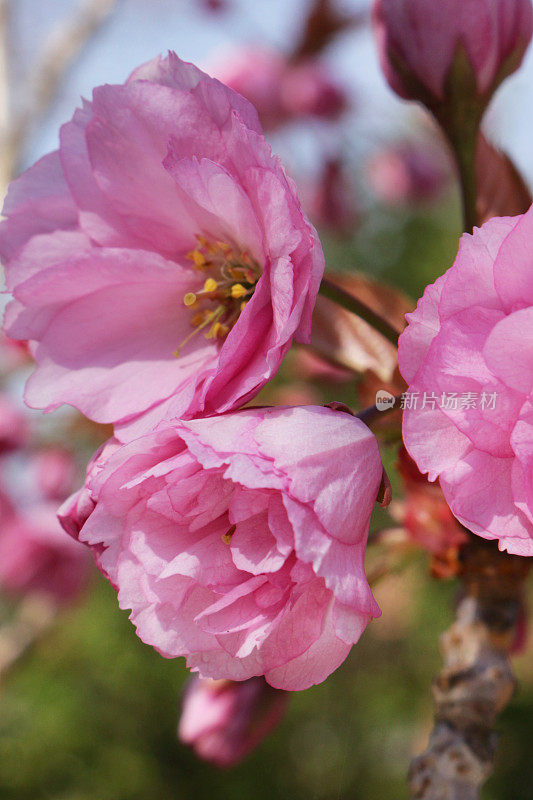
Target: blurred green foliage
{"type": "Point", "coordinates": [90, 712]}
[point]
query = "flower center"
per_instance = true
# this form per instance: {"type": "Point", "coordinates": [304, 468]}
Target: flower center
{"type": "Point", "coordinates": [231, 277]}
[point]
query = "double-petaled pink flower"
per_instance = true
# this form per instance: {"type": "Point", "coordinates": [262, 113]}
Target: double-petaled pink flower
{"type": "Point", "coordinates": [238, 541]}
{"type": "Point", "coordinates": [468, 357]}
{"type": "Point", "coordinates": [160, 262]}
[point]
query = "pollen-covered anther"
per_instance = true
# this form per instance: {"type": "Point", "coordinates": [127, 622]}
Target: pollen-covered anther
{"type": "Point", "coordinates": [210, 285]}
{"type": "Point", "coordinates": [233, 275]}
{"type": "Point", "coordinates": [198, 258]}
{"type": "Point", "coordinates": [238, 291]}
{"type": "Point", "coordinates": [189, 299]}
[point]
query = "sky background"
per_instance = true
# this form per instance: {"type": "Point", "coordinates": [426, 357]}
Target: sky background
{"type": "Point", "coordinates": [141, 29]}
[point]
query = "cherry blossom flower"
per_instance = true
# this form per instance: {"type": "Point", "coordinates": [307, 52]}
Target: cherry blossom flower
{"type": "Point", "coordinates": [467, 354]}
{"type": "Point", "coordinates": [279, 89]}
{"type": "Point", "coordinates": [160, 262]}
{"type": "Point", "coordinates": [238, 541]}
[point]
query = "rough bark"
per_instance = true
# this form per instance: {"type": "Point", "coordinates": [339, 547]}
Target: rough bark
{"type": "Point", "coordinates": [476, 681]}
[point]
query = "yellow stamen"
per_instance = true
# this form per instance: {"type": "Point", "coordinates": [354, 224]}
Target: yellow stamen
{"type": "Point", "coordinates": [243, 305]}
{"type": "Point", "coordinates": [219, 330]}
{"type": "Point", "coordinates": [237, 273]}
{"type": "Point", "coordinates": [238, 290]}
{"type": "Point", "coordinates": [189, 299]}
{"type": "Point", "coordinates": [210, 285]}
{"type": "Point", "coordinates": [198, 258]}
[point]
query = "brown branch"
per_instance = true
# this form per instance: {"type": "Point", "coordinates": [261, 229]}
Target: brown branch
{"type": "Point", "coordinates": [477, 680]}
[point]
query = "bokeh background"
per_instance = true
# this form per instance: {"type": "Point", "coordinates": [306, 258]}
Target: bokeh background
{"type": "Point", "coordinates": [88, 712]}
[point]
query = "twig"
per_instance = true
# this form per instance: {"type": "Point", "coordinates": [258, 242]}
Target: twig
{"type": "Point", "coordinates": [477, 680]}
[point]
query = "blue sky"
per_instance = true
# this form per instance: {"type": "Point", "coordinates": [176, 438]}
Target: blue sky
{"type": "Point", "coordinates": [140, 29]}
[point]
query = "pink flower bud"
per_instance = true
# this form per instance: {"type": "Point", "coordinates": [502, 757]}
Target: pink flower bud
{"type": "Point", "coordinates": [308, 90]}
{"type": "Point", "coordinates": [406, 174]}
{"type": "Point", "coordinates": [420, 42]}
{"type": "Point", "coordinates": [223, 721]}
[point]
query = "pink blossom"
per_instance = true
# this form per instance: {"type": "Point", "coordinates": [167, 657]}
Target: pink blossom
{"type": "Point", "coordinates": [36, 556]}
{"type": "Point", "coordinates": [225, 720]}
{"type": "Point", "coordinates": [238, 541]}
{"type": "Point", "coordinates": [279, 89]}
{"type": "Point", "coordinates": [469, 348]}
{"type": "Point", "coordinates": [309, 90]}
{"type": "Point", "coordinates": [160, 262]}
{"type": "Point", "coordinates": [14, 427]}
{"type": "Point", "coordinates": [258, 74]}
{"type": "Point", "coordinates": [407, 174]}
{"type": "Point", "coordinates": [419, 41]}
{"type": "Point", "coordinates": [56, 472]}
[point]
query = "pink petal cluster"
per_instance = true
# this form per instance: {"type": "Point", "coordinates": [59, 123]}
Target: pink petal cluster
{"type": "Point", "coordinates": [280, 90]}
{"type": "Point", "coordinates": [35, 554]}
{"type": "Point", "coordinates": [468, 353]}
{"type": "Point", "coordinates": [419, 41]}
{"type": "Point", "coordinates": [223, 721]}
{"type": "Point", "coordinates": [36, 557]}
{"type": "Point", "coordinates": [407, 173]}
{"type": "Point", "coordinates": [160, 262]}
{"type": "Point", "coordinates": [238, 541]}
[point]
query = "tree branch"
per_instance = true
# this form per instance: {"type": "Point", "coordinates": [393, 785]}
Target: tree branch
{"type": "Point", "coordinates": [477, 680]}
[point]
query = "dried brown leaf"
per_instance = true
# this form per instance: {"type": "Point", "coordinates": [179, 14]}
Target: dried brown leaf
{"type": "Point", "coordinates": [502, 191]}
{"type": "Point", "coordinates": [342, 337]}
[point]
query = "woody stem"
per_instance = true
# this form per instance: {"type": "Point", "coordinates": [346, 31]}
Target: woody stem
{"type": "Point", "coordinates": [477, 679]}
